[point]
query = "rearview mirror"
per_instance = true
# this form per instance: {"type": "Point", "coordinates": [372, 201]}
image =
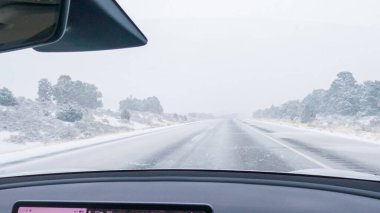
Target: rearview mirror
{"type": "Point", "coordinates": [31, 23]}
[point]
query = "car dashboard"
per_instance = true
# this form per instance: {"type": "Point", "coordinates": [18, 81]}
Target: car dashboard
{"type": "Point", "coordinates": [189, 191]}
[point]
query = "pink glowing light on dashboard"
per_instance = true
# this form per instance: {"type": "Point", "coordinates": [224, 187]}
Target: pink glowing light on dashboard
{"type": "Point", "coordinates": [50, 210]}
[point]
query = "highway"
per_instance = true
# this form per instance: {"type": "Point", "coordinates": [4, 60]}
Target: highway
{"type": "Point", "coordinates": [227, 144]}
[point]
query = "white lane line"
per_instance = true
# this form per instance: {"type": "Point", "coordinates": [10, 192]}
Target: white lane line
{"type": "Point", "coordinates": [293, 150]}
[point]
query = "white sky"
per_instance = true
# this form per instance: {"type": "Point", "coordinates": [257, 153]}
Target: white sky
{"type": "Point", "coordinates": [219, 56]}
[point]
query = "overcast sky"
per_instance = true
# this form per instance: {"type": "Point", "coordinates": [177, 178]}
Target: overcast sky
{"type": "Point", "coordinates": [219, 56]}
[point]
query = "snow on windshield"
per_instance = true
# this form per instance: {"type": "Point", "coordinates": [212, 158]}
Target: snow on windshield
{"type": "Point", "coordinates": [282, 86]}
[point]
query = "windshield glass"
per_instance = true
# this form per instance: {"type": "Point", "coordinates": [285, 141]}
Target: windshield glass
{"type": "Point", "coordinates": [254, 85]}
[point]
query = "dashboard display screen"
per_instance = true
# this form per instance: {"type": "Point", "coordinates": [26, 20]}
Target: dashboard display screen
{"type": "Point", "coordinates": [84, 210]}
{"type": "Point", "coordinates": [70, 207]}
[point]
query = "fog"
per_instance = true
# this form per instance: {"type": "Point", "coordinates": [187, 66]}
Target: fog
{"type": "Point", "coordinates": [219, 56]}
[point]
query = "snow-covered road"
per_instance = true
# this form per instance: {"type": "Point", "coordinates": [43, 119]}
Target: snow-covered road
{"type": "Point", "coordinates": [230, 144]}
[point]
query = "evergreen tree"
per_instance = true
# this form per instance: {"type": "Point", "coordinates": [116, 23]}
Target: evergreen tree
{"type": "Point", "coordinates": [343, 96]}
{"type": "Point", "coordinates": [83, 94]}
{"type": "Point", "coordinates": [7, 98]}
{"type": "Point", "coordinates": [125, 115]}
{"type": "Point", "coordinates": [150, 104]}
{"type": "Point", "coordinates": [370, 98]}
{"type": "Point", "coordinates": [69, 113]}
{"type": "Point", "coordinates": [45, 90]}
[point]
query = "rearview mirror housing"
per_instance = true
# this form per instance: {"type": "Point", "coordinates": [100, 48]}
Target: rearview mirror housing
{"type": "Point", "coordinates": [31, 23]}
{"type": "Point", "coordinates": [96, 25]}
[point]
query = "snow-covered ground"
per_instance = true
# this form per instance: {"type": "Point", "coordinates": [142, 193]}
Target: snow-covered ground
{"type": "Point", "coordinates": [17, 152]}
{"type": "Point", "coordinates": [34, 124]}
{"type": "Point", "coordinates": [367, 127]}
{"type": "Point", "coordinates": [9, 146]}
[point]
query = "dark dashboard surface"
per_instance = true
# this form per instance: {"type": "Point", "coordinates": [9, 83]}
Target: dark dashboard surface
{"type": "Point", "coordinates": [223, 191]}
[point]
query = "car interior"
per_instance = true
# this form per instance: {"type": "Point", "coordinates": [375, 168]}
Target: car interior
{"type": "Point", "coordinates": [84, 25]}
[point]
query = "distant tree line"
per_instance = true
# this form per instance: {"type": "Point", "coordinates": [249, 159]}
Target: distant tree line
{"type": "Point", "coordinates": [73, 97]}
{"type": "Point", "coordinates": [150, 104]}
{"type": "Point", "coordinates": [344, 97]}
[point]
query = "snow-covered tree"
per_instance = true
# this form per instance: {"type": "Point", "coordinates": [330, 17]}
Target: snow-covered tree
{"type": "Point", "coordinates": [63, 91]}
{"type": "Point", "coordinates": [67, 91]}
{"type": "Point", "coordinates": [272, 112]}
{"type": "Point", "coordinates": [150, 104]}
{"type": "Point", "coordinates": [69, 113]}
{"type": "Point", "coordinates": [370, 98]}
{"type": "Point", "coordinates": [87, 95]}
{"type": "Point", "coordinates": [7, 98]}
{"type": "Point", "coordinates": [343, 96]}
{"type": "Point", "coordinates": [312, 105]}
{"type": "Point", "coordinates": [125, 115]}
{"type": "Point", "coordinates": [290, 110]}
{"type": "Point", "coordinates": [45, 90]}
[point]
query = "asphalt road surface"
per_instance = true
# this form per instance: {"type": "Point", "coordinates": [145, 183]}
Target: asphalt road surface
{"type": "Point", "coordinates": [228, 144]}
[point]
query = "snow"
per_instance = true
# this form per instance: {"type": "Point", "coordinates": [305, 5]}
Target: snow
{"type": "Point", "coordinates": [347, 107]}
{"type": "Point", "coordinates": [332, 125]}
{"type": "Point", "coordinates": [6, 147]}
{"type": "Point", "coordinates": [110, 120]}
{"type": "Point", "coordinates": [30, 150]}
{"type": "Point", "coordinates": [31, 128]}
{"type": "Point", "coordinates": [36, 122]}
{"type": "Point", "coordinates": [32, 125]}
{"type": "Point", "coordinates": [4, 135]}
{"type": "Point", "coordinates": [10, 147]}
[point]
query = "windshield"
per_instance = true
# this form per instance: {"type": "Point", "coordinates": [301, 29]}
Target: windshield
{"type": "Point", "coordinates": [288, 86]}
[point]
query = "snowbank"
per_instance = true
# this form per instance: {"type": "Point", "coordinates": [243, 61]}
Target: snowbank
{"type": "Point", "coordinates": [367, 127]}
{"type": "Point", "coordinates": [35, 122]}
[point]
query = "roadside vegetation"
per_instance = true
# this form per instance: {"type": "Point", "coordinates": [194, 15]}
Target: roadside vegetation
{"type": "Point", "coordinates": [71, 109]}
{"type": "Point", "coordinates": [346, 106]}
